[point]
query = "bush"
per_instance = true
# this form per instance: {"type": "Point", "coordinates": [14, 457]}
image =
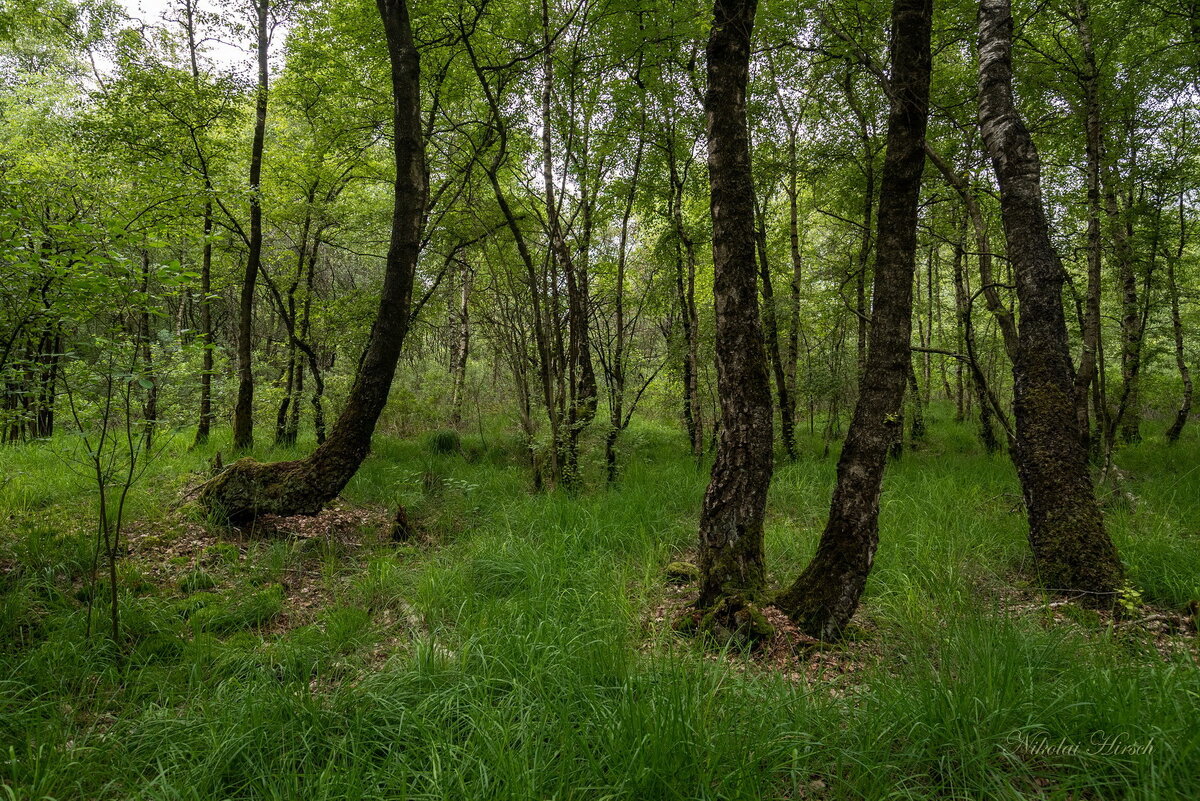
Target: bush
{"type": "Point", "coordinates": [445, 441]}
{"type": "Point", "coordinates": [197, 580]}
{"type": "Point", "coordinates": [248, 612]}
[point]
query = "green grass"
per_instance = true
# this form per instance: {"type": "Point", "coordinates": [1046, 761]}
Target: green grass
{"type": "Point", "coordinates": [508, 656]}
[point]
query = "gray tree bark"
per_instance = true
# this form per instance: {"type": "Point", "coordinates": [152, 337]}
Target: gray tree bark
{"type": "Point", "coordinates": [1066, 531]}
{"type": "Point", "coordinates": [731, 521]}
{"type": "Point", "coordinates": [824, 597]}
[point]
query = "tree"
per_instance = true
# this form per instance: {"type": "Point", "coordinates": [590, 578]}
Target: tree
{"type": "Point", "coordinates": [1185, 375]}
{"type": "Point", "coordinates": [248, 488]}
{"type": "Point", "coordinates": [243, 412]}
{"type": "Point", "coordinates": [1066, 531]}
{"type": "Point", "coordinates": [731, 520]}
{"type": "Point", "coordinates": [823, 598]}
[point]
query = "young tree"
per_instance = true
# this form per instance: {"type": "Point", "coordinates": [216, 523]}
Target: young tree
{"type": "Point", "coordinates": [1066, 531]}
{"type": "Point", "coordinates": [1185, 375]}
{"type": "Point", "coordinates": [248, 488]}
{"type": "Point", "coordinates": [243, 413]}
{"type": "Point", "coordinates": [823, 598]}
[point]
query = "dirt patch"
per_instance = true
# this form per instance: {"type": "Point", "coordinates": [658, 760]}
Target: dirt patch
{"type": "Point", "coordinates": [173, 553]}
{"type": "Point", "coordinates": [343, 525]}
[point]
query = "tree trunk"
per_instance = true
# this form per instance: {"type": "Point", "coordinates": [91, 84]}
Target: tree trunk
{"type": "Point", "coordinates": [282, 434]}
{"type": "Point", "coordinates": [987, 433]}
{"type": "Point", "coordinates": [542, 317]}
{"type": "Point", "coordinates": [616, 373]}
{"type": "Point", "coordinates": [249, 488]}
{"type": "Point", "coordinates": [918, 430]}
{"type": "Point", "coordinates": [206, 329]}
{"type": "Point", "coordinates": [1094, 150]}
{"type": "Point", "coordinates": [1066, 531]}
{"type": "Point", "coordinates": [1185, 375]}
{"type": "Point", "coordinates": [824, 597]}
{"type": "Point", "coordinates": [150, 407]}
{"type": "Point", "coordinates": [243, 413]}
{"type": "Point", "coordinates": [1003, 315]}
{"type": "Point", "coordinates": [1131, 359]}
{"type": "Point", "coordinates": [293, 425]}
{"type": "Point", "coordinates": [287, 421]}
{"type": "Point", "coordinates": [685, 290]}
{"type": "Point", "coordinates": [462, 344]}
{"type": "Point", "coordinates": [731, 520]}
{"type": "Point", "coordinates": [864, 258]}
{"type": "Point", "coordinates": [771, 330]}
{"type": "Point", "coordinates": [1131, 330]}
{"type": "Point", "coordinates": [797, 280]}
{"type": "Point", "coordinates": [204, 424]}
{"type": "Point", "coordinates": [864, 251]}
{"type": "Point", "coordinates": [314, 363]}
{"type": "Point", "coordinates": [581, 381]}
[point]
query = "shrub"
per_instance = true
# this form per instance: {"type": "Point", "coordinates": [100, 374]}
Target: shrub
{"type": "Point", "coordinates": [445, 441]}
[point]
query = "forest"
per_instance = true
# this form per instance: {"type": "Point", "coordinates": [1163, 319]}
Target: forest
{"type": "Point", "coordinates": [599, 399]}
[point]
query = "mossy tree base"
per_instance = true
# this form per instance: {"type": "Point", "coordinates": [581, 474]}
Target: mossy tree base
{"type": "Point", "coordinates": [247, 489]}
{"type": "Point", "coordinates": [732, 619]}
{"type": "Point", "coordinates": [1070, 545]}
{"type": "Point", "coordinates": [823, 599]}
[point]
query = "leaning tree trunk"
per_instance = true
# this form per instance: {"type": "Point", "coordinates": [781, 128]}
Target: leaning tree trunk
{"type": "Point", "coordinates": [249, 488]}
{"type": "Point", "coordinates": [823, 598]}
{"type": "Point", "coordinates": [1066, 531]}
{"type": "Point", "coordinates": [731, 520]}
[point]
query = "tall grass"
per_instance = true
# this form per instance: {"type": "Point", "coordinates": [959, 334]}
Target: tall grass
{"type": "Point", "coordinates": [509, 657]}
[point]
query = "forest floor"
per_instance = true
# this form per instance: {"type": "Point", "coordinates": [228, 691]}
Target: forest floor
{"type": "Point", "coordinates": [519, 646]}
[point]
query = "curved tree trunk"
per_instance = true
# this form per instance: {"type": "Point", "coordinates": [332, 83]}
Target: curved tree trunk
{"type": "Point", "coordinates": [824, 597]}
{"type": "Point", "coordinates": [249, 488]}
{"type": "Point", "coordinates": [731, 520]}
{"type": "Point", "coordinates": [1066, 531]}
{"type": "Point", "coordinates": [243, 413]}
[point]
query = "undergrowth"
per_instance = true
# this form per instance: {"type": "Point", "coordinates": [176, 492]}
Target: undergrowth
{"type": "Point", "coordinates": [509, 653]}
